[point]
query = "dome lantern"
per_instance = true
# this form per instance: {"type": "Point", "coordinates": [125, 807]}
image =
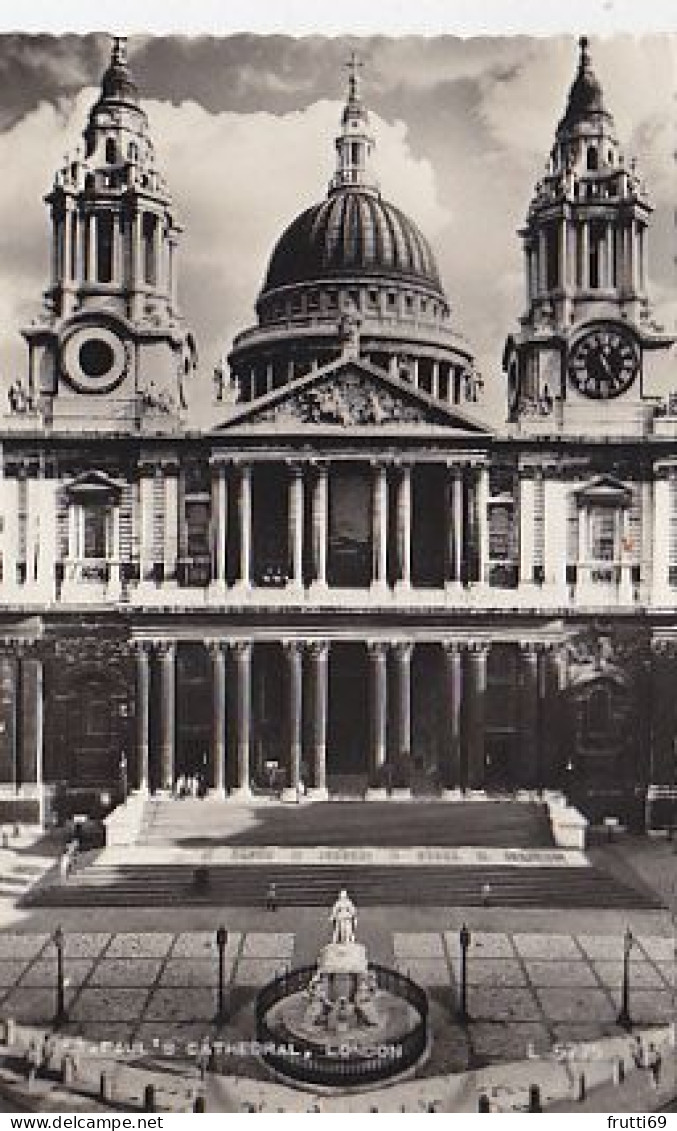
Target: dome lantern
{"type": "Point", "coordinates": [355, 144]}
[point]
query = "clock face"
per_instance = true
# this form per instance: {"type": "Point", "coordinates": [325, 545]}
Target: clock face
{"type": "Point", "coordinates": [94, 360]}
{"type": "Point", "coordinates": [604, 363]}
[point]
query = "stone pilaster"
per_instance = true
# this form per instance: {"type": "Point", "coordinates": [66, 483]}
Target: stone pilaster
{"type": "Point", "coordinates": [244, 511]}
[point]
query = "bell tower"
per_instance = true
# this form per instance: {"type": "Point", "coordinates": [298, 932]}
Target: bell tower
{"type": "Point", "coordinates": [579, 360]}
{"type": "Point", "coordinates": [110, 347]}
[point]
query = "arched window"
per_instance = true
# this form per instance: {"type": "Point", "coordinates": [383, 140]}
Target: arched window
{"type": "Point", "coordinates": [592, 158]}
{"type": "Point", "coordinates": [149, 227]}
{"type": "Point", "coordinates": [111, 151]}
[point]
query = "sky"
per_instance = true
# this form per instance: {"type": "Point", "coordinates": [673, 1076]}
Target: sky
{"type": "Point", "coordinates": [244, 130]}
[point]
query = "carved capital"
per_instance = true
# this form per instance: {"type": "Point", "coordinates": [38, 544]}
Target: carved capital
{"type": "Point", "coordinates": [241, 650]}
{"type": "Point", "coordinates": [318, 650]}
{"type": "Point", "coordinates": [402, 650]}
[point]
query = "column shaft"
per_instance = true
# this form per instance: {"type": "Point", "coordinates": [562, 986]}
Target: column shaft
{"type": "Point", "coordinates": [319, 655]}
{"type": "Point", "coordinates": [379, 709]}
{"type": "Point", "coordinates": [219, 750]}
{"type": "Point", "coordinates": [242, 651]}
{"type": "Point", "coordinates": [167, 715]}
{"type": "Point", "coordinates": [296, 510]}
{"type": "Point", "coordinates": [403, 653]}
{"type": "Point", "coordinates": [404, 526]}
{"type": "Point", "coordinates": [477, 683]}
{"type": "Point", "coordinates": [482, 523]}
{"type": "Point", "coordinates": [319, 525]}
{"type": "Point", "coordinates": [295, 717]}
{"type": "Point", "coordinates": [142, 717]}
{"type": "Point", "coordinates": [380, 524]}
{"type": "Point", "coordinates": [529, 711]}
{"type": "Point", "coordinates": [453, 663]}
{"type": "Point", "coordinates": [245, 522]}
{"type": "Point", "coordinates": [220, 486]}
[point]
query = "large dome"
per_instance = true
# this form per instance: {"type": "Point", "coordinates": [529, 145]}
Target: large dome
{"type": "Point", "coordinates": [353, 232]}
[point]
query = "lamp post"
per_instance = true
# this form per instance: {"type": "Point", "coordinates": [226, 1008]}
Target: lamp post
{"type": "Point", "coordinates": [624, 1018]}
{"type": "Point", "coordinates": [221, 940]}
{"type": "Point", "coordinates": [60, 1014]}
{"type": "Point", "coordinates": [464, 938]}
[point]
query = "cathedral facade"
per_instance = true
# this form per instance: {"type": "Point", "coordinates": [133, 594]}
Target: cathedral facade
{"type": "Point", "coordinates": [348, 584]}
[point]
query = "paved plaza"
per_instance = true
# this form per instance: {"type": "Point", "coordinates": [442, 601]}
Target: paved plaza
{"type": "Point", "coordinates": [525, 990]}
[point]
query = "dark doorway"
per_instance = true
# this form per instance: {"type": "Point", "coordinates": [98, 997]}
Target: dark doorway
{"type": "Point", "coordinates": [348, 738]}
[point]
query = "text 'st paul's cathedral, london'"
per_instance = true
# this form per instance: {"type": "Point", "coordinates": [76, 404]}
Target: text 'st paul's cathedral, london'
{"type": "Point", "coordinates": [346, 583]}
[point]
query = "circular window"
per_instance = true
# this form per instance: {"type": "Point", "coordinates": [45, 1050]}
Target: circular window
{"type": "Point", "coordinates": [96, 357]}
{"type": "Point", "coordinates": [94, 361]}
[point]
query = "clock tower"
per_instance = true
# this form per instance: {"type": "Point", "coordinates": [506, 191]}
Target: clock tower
{"type": "Point", "coordinates": [110, 349]}
{"type": "Point", "coordinates": [579, 363]}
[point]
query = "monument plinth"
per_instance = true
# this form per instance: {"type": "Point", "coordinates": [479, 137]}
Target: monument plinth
{"type": "Point", "coordinates": [344, 1022]}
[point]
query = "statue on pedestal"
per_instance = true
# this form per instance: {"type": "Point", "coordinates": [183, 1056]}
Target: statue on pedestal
{"type": "Point", "coordinates": [343, 919]}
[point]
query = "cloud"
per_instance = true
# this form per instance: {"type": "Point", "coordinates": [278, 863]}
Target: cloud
{"type": "Point", "coordinates": [246, 141]}
{"type": "Point", "coordinates": [237, 180]}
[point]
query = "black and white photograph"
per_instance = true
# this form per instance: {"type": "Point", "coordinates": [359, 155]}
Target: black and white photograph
{"type": "Point", "coordinates": [338, 572]}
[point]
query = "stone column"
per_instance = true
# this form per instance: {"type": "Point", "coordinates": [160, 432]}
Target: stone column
{"type": "Point", "coordinates": [482, 522]}
{"type": "Point", "coordinates": [91, 248]}
{"type": "Point", "coordinates": [142, 652]}
{"type": "Point", "coordinates": [609, 242]}
{"type": "Point", "coordinates": [402, 653]}
{"type": "Point", "coordinates": [296, 509]}
{"type": "Point", "coordinates": [435, 380]}
{"type": "Point", "coordinates": [404, 526]}
{"type": "Point", "coordinates": [245, 524]}
{"type": "Point", "coordinates": [632, 256]}
{"type": "Point", "coordinates": [318, 652]}
{"type": "Point", "coordinates": [542, 263]}
{"type": "Point", "coordinates": [242, 653]}
{"type": "Point", "coordinates": [378, 659]}
{"type": "Point", "coordinates": [563, 261]}
{"type": "Point", "coordinates": [475, 699]}
{"type": "Point", "coordinates": [294, 654]}
{"type": "Point", "coordinates": [585, 256]}
{"type": "Point", "coordinates": [217, 651]}
{"type": "Point", "coordinates": [167, 655]}
{"type": "Point", "coordinates": [455, 524]}
{"type": "Point", "coordinates": [451, 775]}
{"type": "Point", "coordinates": [529, 716]}
{"type": "Point", "coordinates": [380, 525]}
{"type": "Point", "coordinates": [220, 527]}
{"type": "Point", "coordinates": [319, 525]}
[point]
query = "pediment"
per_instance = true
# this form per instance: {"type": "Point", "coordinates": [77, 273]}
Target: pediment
{"type": "Point", "coordinates": [349, 394]}
{"type": "Point", "coordinates": [605, 489]}
{"type": "Point", "coordinates": [93, 483]}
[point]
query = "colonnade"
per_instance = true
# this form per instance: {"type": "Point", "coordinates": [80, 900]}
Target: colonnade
{"type": "Point", "coordinates": [306, 711]}
{"type": "Point", "coordinates": [232, 487]}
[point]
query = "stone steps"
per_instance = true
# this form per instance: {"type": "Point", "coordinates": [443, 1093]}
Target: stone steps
{"type": "Point", "coordinates": [369, 885]}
